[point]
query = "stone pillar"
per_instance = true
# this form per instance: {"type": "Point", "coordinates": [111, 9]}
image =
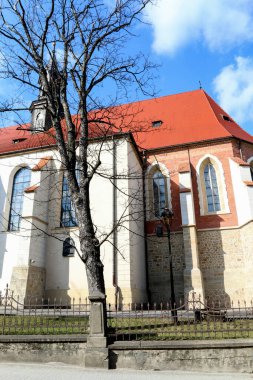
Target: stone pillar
{"type": "Point", "coordinates": [96, 355]}
{"type": "Point", "coordinates": [193, 282]}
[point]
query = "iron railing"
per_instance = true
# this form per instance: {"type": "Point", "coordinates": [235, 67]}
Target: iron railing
{"type": "Point", "coordinates": [191, 320]}
{"type": "Point", "coordinates": [33, 316]}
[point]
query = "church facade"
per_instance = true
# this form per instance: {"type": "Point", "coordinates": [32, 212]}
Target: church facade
{"type": "Point", "coordinates": [191, 157]}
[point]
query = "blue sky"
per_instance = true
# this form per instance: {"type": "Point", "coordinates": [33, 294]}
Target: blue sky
{"type": "Point", "coordinates": [196, 40]}
{"type": "Point", "coordinates": [210, 41]}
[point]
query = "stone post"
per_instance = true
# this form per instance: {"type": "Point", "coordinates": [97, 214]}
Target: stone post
{"type": "Point", "coordinates": [96, 355]}
{"type": "Point", "coordinates": [193, 282]}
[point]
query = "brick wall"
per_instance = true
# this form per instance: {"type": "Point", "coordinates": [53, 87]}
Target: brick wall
{"type": "Point", "coordinates": [174, 158]}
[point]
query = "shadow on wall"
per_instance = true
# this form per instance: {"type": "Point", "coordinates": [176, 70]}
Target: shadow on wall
{"type": "Point", "coordinates": [57, 273]}
{"type": "Point", "coordinates": [159, 257]}
{"type": "Point", "coordinates": [212, 251]}
{"type": "Point", "coordinates": [57, 254]}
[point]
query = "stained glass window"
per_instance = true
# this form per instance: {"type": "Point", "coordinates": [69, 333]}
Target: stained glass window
{"type": "Point", "coordinates": [212, 191]}
{"type": "Point", "coordinates": [159, 193]}
{"type": "Point", "coordinates": [20, 183]}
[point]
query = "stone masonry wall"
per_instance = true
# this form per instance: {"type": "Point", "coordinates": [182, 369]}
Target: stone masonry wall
{"type": "Point", "coordinates": [223, 265]}
{"type": "Point", "coordinates": [226, 263]}
{"type": "Point", "coordinates": [158, 267]}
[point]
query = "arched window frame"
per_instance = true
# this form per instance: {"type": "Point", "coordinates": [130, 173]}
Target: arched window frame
{"type": "Point", "coordinates": [17, 198]}
{"type": "Point", "coordinates": [224, 207]}
{"type": "Point", "coordinates": [154, 168]}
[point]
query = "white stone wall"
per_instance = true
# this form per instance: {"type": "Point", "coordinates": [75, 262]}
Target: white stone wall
{"type": "Point", "coordinates": [39, 242]}
{"type": "Point", "coordinates": [243, 194]}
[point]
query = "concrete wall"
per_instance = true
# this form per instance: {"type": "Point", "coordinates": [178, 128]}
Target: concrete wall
{"type": "Point", "coordinates": [67, 350]}
{"type": "Point", "coordinates": [207, 356]}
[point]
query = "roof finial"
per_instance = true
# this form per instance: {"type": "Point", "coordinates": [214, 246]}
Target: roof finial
{"type": "Point", "coordinates": [200, 85]}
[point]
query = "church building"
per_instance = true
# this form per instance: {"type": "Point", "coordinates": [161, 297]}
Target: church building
{"type": "Point", "coordinates": [182, 152]}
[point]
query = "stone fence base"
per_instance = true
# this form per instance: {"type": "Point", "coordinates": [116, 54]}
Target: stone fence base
{"type": "Point", "coordinates": [232, 355]}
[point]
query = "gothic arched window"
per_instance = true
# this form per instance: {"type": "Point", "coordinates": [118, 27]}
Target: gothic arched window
{"type": "Point", "coordinates": [20, 182]}
{"type": "Point", "coordinates": [159, 195]}
{"type": "Point", "coordinates": [211, 187]}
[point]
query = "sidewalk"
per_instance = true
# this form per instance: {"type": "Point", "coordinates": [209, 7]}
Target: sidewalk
{"type": "Point", "coordinates": [58, 371]}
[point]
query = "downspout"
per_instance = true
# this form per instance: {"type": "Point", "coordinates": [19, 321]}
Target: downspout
{"type": "Point", "coordinates": [114, 221]}
{"type": "Point", "coordinates": [144, 165]}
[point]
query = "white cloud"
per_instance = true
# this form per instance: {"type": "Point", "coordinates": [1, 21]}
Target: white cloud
{"type": "Point", "coordinates": [233, 87]}
{"type": "Point", "coordinates": [220, 24]}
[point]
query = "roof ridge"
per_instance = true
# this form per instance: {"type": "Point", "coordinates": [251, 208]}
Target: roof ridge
{"type": "Point", "coordinates": [156, 98]}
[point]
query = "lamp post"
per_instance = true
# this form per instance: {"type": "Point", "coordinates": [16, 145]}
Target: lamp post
{"type": "Point", "coordinates": [167, 216]}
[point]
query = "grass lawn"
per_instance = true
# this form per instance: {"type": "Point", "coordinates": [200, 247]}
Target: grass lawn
{"type": "Point", "coordinates": [149, 329]}
{"type": "Point", "coordinates": [141, 328]}
{"type": "Point", "coordinates": [34, 325]}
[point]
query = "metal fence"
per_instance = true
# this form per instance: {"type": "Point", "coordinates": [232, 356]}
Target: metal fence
{"type": "Point", "coordinates": [42, 316]}
{"type": "Point", "coordinates": [191, 320]}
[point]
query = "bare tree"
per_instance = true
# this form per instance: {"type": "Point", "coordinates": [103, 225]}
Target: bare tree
{"type": "Point", "coordinates": [68, 50]}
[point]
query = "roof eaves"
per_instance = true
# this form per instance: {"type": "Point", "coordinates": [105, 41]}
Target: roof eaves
{"type": "Point", "coordinates": [188, 144]}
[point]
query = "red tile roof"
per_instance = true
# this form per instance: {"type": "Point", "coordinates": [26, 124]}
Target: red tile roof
{"type": "Point", "coordinates": [186, 118]}
{"type": "Point", "coordinates": [42, 162]}
{"type": "Point", "coordinates": [184, 167]}
{"type": "Point", "coordinates": [31, 189]}
{"type": "Point", "coordinates": [239, 161]}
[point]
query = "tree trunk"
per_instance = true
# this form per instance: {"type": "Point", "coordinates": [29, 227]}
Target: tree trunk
{"type": "Point", "coordinates": [94, 268]}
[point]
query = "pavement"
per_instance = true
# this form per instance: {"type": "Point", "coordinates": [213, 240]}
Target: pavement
{"type": "Point", "coordinates": [60, 371]}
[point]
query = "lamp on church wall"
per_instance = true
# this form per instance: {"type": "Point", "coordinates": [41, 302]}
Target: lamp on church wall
{"type": "Point", "coordinates": [166, 219]}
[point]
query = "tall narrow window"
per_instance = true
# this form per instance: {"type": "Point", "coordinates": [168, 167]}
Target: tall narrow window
{"type": "Point", "coordinates": [68, 215]}
{"type": "Point", "coordinates": [159, 193]}
{"type": "Point", "coordinates": [212, 191]}
{"type": "Point", "coordinates": [20, 183]}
